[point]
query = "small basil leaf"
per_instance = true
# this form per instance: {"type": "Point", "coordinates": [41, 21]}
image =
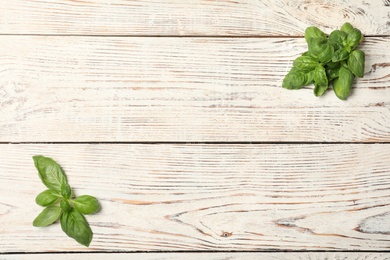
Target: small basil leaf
{"type": "Point", "coordinates": [354, 38]}
{"type": "Point", "coordinates": [86, 204]}
{"type": "Point", "coordinates": [342, 85]}
{"type": "Point", "coordinates": [48, 216]}
{"type": "Point", "coordinates": [340, 55]}
{"type": "Point", "coordinates": [314, 32]}
{"type": "Point", "coordinates": [356, 63]}
{"type": "Point", "coordinates": [295, 79]}
{"type": "Point", "coordinates": [321, 49]}
{"type": "Point", "coordinates": [316, 46]}
{"type": "Point", "coordinates": [66, 191]}
{"type": "Point", "coordinates": [332, 65]}
{"type": "Point", "coordinates": [332, 73]}
{"type": "Point", "coordinates": [320, 81]}
{"type": "Point", "coordinates": [338, 39]}
{"type": "Point", "coordinates": [65, 206]}
{"type": "Point", "coordinates": [46, 198]}
{"type": "Point", "coordinates": [305, 63]}
{"type": "Point", "coordinates": [347, 27]}
{"type": "Point", "coordinates": [319, 90]}
{"type": "Point", "coordinates": [76, 226]}
{"type": "Point", "coordinates": [309, 78]}
{"type": "Point", "coordinates": [50, 173]}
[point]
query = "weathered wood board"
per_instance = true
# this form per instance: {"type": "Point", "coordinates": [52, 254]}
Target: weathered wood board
{"type": "Point", "coordinates": [190, 17]}
{"type": "Point", "coordinates": [180, 89]}
{"type": "Point", "coordinates": [206, 197]}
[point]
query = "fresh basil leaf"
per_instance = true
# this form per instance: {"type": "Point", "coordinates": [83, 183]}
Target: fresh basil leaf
{"type": "Point", "coordinates": [316, 46]}
{"type": "Point", "coordinates": [305, 63]}
{"type": "Point", "coordinates": [340, 55]}
{"type": "Point", "coordinates": [353, 38]}
{"type": "Point", "coordinates": [76, 226]}
{"type": "Point", "coordinates": [320, 81]}
{"type": "Point", "coordinates": [356, 63]}
{"type": "Point", "coordinates": [319, 90]}
{"type": "Point", "coordinates": [314, 32]}
{"type": "Point", "coordinates": [46, 198]}
{"type": "Point", "coordinates": [86, 204]}
{"type": "Point", "coordinates": [346, 27]}
{"type": "Point", "coordinates": [65, 206]}
{"type": "Point", "coordinates": [338, 39]}
{"type": "Point", "coordinates": [332, 65]}
{"type": "Point", "coordinates": [309, 77]}
{"type": "Point", "coordinates": [295, 79]}
{"type": "Point", "coordinates": [66, 191]}
{"type": "Point", "coordinates": [321, 49]}
{"type": "Point", "coordinates": [342, 85]}
{"type": "Point", "coordinates": [48, 216]}
{"type": "Point", "coordinates": [50, 173]}
{"type": "Point", "coordinates": [332, 73]}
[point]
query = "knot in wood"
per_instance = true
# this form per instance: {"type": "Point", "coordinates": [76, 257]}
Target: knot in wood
{"type": "Point", "coordinates": [226, 234]}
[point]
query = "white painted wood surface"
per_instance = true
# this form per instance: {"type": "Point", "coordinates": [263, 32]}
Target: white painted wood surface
{"type": "Point", "coordinates": [180, 89]}
{"type": "Point", "coordinates": [94, 73]}
{"type": "Point", "coordinates": [190, 17]}
{"type": "Point", "coordinates": [207, 197]}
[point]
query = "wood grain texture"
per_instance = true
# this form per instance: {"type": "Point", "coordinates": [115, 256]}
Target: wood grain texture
{"type": "Point", "coordinates": [180, 89]}
{"type": "Point", "coordinates": [206, 197]}
{"type": "Point", "coordinates": [190, 17]}
{"type": "Point", "coordinates": [208, 256]}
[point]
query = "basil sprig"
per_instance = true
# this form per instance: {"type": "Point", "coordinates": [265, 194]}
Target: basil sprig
{"type": "Point", "coordinates": [330, 60]}
{"type": "Point", "coordinates": [61, 204]}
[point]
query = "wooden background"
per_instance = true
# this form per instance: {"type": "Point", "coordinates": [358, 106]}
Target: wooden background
{"type": "Point", "coordinates": [172, 114]}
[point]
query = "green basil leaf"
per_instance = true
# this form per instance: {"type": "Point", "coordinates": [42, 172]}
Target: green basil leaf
{"type": "Point", "coordinates": [314, 32]}
{"type": "Point", "coordinates": [320, 81]}
{"type": "Point", "coordinates": [347, 27]}
{"type": "Point", "coordinates": [295, 79]}
{"type": "Point", "coordinates": [321, 49]}
{"type": "Point", "coordinates": [86, 204]}
{"type": "Point", "coordinates": [65, 206]}
{"type": "Point", "coordinates": [332, 73]}
{"type": "Point", "coordinates": [319, 90]}
{"type": "Point", "coordinates": [342, 85]}
{"type": "Point", "coordinates": [76, 226]}
{"type": "Point", "coordinates": [305, 63]}
{"type": "Point", "coordinates": [50, 173]}
{"type": "Point", "coordinates": [46, 198]}
{"type": "Point", "coordinates": [309, 77]}
{"type": "Point", "coordinates": [316, 46]}
{"type": "Point", "coordinates": [340, 55]}
{"type": "Point", "coordinates": [332, 65]}
{"type": "Point", "coordinates": [354, 38]}
{"type": "Point", "coordinates": [66, 191]}
{"type": "Point", "coordinates": [48, 216]}
{"type": "Point", "coordinates": [338, 39]}
{"type": "Point", "coordinates": [356, 63]}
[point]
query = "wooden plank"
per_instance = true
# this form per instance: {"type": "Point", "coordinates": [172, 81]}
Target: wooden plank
{"type": "Point", "coordinates": [206, 197]}
{"type": "Point", "coordinates": [192, 17]}
{"type": "Point", "coordinates": [179, 89]}
{"type": "Point", "coordinates": [209, 256]}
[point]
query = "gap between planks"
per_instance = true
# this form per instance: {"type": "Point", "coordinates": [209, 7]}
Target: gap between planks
{"type": "Point", "coordinates": [172, 36]}
{"type": "Point", "coordinates": [196, 143]}
{"type": "Point", "coordinates": [207, 255]}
